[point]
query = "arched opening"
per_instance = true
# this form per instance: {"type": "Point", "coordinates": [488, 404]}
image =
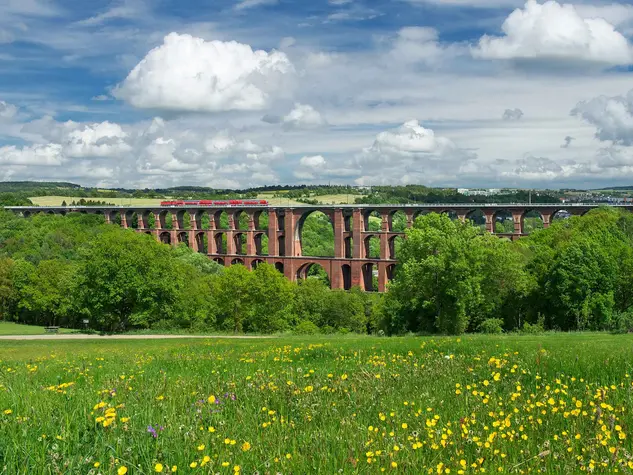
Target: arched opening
{"type": "Point", "coordinates": [183, 238]}
{"type": "Point", "coordinates": [372, 247]}
{"type": "Point", "coordinates": [452, 215]}
{"type": "Point", "coordinates": [346, 271]}
{"type": "Point", "coordinates": [115, 218]}
{"type": "Point", "coordinates": [313, 270]}
{"type": "Point", "coordinates": [531, 221]}
{"type": "Point", "coordinates": [279, 266]}
{"type": "Point", "coordinates": [395, 243]}
{"type": "Point", "coordinates": [419, 213]}
{"type": "Point", "coordinates": [149, 233]}
{"type": "Point", "coordinates": [221, 220]}
{"type": "Point", "coordinates": [261, 244]}
{"type": "Point", "coordinates": [560, 214]}
{"type": "Point", "coordinates": [183, 219]}
{"type": "Point", "coordinates": [146, 220]}
{"type": "Point", "coordinates": [349, 247]}
{"type": "Point", "coordinates": [202, 219]}
{"type": "Point", "coordinates": [219, 260]}
{"type": "Point", "coordinates": [239, 243]}
{"type": "Point", "coordinates": [165, 237]}
{"type": "Point", "coordinates": [240, 220]}
{"type": "Point", "coordinates": [398, 222]}
{"type": "Point", "coordinates": [372, 221]}
{"type": "Point", "coordinates": [201, 244]}
{"type": "Point", "coordinates": [477, 218]}
{"type": "Point", "coordinates": [132, 219]}
{"type": "Point", "coordinates": [503, 222]}
{"type": "Point", "coordinates": [315, 235]}
{"type": "Point", "coordinates": [348, 221]}
{"type": "Point", "coordinates": [237, 261]}
{"type": "Point", "coordinates": [220, 243]}
{"type": "Point", "coordinates": [50, 211]}
{"type": "Point", "coordinates": [164, 220]}
{"type": "Point", "coordinates": [370, 277]}
{"type": "Point", "coordinates": [391, 272]}
{"type": "Point", "coordinates": [255, 263]}
{"type": "Point", "coordinates": [260, 220]}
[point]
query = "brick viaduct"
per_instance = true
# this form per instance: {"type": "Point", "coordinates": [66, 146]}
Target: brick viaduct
{"type": "Point", "coordinates": [351, 265]}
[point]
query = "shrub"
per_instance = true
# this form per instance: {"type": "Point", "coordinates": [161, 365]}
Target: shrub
{"type": "Point", "coordinates": [534, 328]}
{"type": "Point", "coordinates": [621, 322]}
{"type": "Point", "coordinates": [306, 327]}
{"type": "Point", "coordinates": [491, 326]}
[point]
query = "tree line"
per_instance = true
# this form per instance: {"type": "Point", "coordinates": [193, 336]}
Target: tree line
{"type": "Point", "coordinates": [452, 277]}
{"type": "Point", "coordinates": [58, 270]}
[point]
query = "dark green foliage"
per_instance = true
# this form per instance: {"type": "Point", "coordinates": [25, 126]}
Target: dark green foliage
{"type": "Point", "coordinates": [453, 277]}
{"type": "Point", "coordinates": [491, 326]}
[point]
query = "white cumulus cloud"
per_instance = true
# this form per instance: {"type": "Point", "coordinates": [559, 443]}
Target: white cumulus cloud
{"type": "Point", "coordinates": [554, 31]}
{"type": "Point", "coordinates": [411, 154]}
{"type": "Point", "coordinates": [612, 117]}
{"type": "Point", "coordinates": [186, 73]}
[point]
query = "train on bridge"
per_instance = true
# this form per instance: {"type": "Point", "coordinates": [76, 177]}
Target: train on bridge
{"type": "Point", "coordinates": [214, 203]}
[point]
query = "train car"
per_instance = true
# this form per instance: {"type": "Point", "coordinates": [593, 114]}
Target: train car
{"type": "Point", "coordinates": [214, 203]}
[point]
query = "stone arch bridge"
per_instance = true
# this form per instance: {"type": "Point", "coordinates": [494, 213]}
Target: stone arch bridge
{"type": "Point", "coordinates": [235, 235]}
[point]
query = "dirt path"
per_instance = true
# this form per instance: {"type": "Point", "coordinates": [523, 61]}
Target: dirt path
{"type": "Point", "coordinates": [79, 336]}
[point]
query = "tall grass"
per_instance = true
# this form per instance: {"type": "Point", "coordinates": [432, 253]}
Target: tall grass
{"type": "Point", "coordinates": [547, 404]}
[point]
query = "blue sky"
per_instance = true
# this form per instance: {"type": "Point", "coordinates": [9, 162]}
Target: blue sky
{"type": "Point", "coordinates": [243, 93]}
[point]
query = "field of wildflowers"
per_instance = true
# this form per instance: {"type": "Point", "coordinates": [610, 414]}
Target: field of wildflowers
{"type": "Point", "coordinates": [475, 404]}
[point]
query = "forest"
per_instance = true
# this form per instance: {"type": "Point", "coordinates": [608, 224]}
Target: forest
{"type": "Point", "coordinates": [452, 277]}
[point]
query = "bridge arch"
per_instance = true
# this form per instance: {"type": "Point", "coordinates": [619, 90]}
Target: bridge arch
{"type": "Point", "coordinates": [255, 263]}
{"type": "Point", "coordinates": [313, 270]}
{"type": "Point", "coordinates": [165, 237]}
{"type": "Point", "coordinates": [531, 220]}
{"type": "Point", "coordinates": [183, 238]}
{"type": "Point", "coordinates": [372, 246]}
{"type": "Point", "coordinates": [320, 227]}
{"type": "Point", "coordinates": [397, 221]}
{"type": "Point", "coordinates": [503, 222]}
{"type": "Point", "coordinates": [395, 242]}
{"type": "Point", "coordinates": [200, 242]}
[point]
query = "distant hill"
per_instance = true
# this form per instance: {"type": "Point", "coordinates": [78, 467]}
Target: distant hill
{"type": "Point", "coordinates": [17, 186]}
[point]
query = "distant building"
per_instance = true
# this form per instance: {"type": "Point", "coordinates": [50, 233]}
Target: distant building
{"type": "Point", "coordinates": [480, 192]}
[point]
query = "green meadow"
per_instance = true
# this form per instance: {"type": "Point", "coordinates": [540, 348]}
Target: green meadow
{"type": "Point", "coordinates": [558, 403]}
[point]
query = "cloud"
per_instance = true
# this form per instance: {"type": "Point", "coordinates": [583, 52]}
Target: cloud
{"type": "Point", "coordinates": [303, 116]}
{"type": "Point", "coordinates": [468, 3]}
{"type": "Point", "coordinates": [310, 167]}
{"type": "Point", "coordinates": [7, 111]}
{"type": "Point", "coordinates": [512, 114]}
{"type": "Point", "coordinates": [410, 154]}
{"type": "Point", "coordinates": [612, 117]}
{"type": "Point", "coordinates": [416, 43]}
{"type": "Point", "coordinates": [246, 4]}
{"type": "Point", "coordinates": [568, 141]}
{"type": "Point", "coordinates": [189, 74]}
{"type": "Point", "coordinates": [36, 155]}
{"type": "Point", "coordinates": [154, 153]}
{"type": "Point", "coordinates": [101, 97]}
{"type": "Point", "coordinates": [123, 9]}
{"type": "Point", "coordinates": [555, 32]}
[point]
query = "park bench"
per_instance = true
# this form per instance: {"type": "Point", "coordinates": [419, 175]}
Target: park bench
{"type": "Point", "coordinates": [51, 329]}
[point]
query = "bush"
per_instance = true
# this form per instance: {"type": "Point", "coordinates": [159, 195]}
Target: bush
{"type": "Point", "coordinates": [534, 328]}
{"type": "Point", "coordinates": [306, 327]}
{"type": "Point", "coordinates": [621, 322]}
{"type": "Point", "coordinates": [491, 326]}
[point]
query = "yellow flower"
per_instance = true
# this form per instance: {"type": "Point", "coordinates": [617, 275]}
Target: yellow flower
{"type": "Point", "coordinates": [193, 464]}
{"type": "Point", "coordinates": [158, 467]}
{"type": "Point", "coordinates": [174, 469]}
{"type": "Point", "coordinates": [201, 447]}
{"type": "Point", "coordinates": [344, 377]}
{"type": "Point", "coordinates": [122, 470]}
{"type": "Point", "coordinates": [225, 464]}
{"type": "Point", "coordinates": [404, 425]}
{"type": "Point", "coordinates": [246, 446]}
{"type": "Point", "coordinates": [211, 399]}
{"type": "Point", "coordinates": [236, 469]}
{"type": "Point", "coordinates": [97, 464]}
{"type": "Point", "coordinates": [394, 465]}
{"type": "Point", "coordinates": [288, 456]}
{"type": "Point", "coordinates": [7, 412]}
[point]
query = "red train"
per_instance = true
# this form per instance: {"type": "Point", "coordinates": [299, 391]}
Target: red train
{"type": "Point", "coordinates": [215, 203]}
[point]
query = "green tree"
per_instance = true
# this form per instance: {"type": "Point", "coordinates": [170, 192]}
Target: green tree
{"type": "Point", "coordinates": [8, 294]}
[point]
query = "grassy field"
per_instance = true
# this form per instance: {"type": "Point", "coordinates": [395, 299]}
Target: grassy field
{"type": "Point", "coordinates": [475, 404]}
{"type": "Point", "coordinates": [57, 201]}
{"type": "Point", "coordinates": [10, 328]}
